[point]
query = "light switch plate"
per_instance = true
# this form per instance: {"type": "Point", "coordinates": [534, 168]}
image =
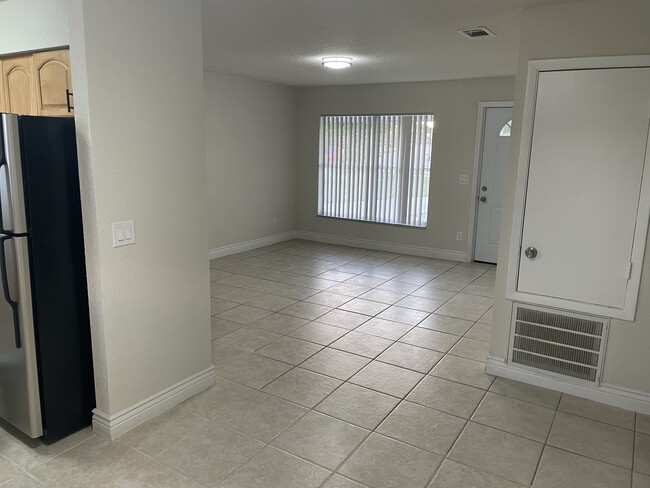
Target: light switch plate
{"type": "Point", "coordinates": [123, 233]}
{"type": "Point", "coordinates": [463, 180]}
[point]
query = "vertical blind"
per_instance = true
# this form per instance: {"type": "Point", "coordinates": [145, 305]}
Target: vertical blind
{"type": "Point", "coordinates": [375, 168]}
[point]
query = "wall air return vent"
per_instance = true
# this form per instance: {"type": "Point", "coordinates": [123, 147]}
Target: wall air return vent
{"type": "Point", "coordinates": [557, 343]}
{"type": "Point", "coordinates": [477, 33]}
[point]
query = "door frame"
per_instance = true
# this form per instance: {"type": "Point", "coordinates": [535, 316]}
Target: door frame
{"type": "Point", "coordinates": [628, 312]}
{"type": "Point", "coordinates": [476, 172]}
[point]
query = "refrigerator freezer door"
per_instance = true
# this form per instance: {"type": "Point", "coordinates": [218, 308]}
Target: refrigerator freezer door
{"type": "Point", "coordinates": [20, 402]}
{"type": "Point", "coordinates": [12, 193]}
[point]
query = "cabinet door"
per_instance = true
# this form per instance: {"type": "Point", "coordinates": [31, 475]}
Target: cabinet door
{"type": "Point", "coordinates": [3, 107]}
{"type": "Point", "coordinates": [18, 79]}
{"type": "Point", "coordinates": [587, 161]}
{"type": "Point", "coordinates": [52, 76]}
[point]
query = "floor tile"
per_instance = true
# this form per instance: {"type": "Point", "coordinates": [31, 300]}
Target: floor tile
{"type": "Point", "coordinates": [222, 327]}
{"type": "Point", "coordinates": [597, 411]}
{"type": "Point", "coordinates": [357, 405]}
{"type": "Point", "coordinates": [384, 328]}
{"type": "Point", "coordinates": [306, 310]}
{"type": "Point", "coordinates": [642, 423]}
{"type": "Point", "coordinates": [329, 299]}
{"type": "Point", "coordinates": [259, 415]}
{"type": "Point", "coordinates": [449, 325]}
{"type": "Point", "coordinates": [640, 480]}
{"type": "Point", "coordinates": [279, 323]}
{"type": "Point", "coordinates": [100, 463]}
{"type": "Point", "coordinates": [272, 467]}
{"type": "Point", "coordinates": [433, 293]}
{"type": "Point", "coordinates": [273, 303]}
{"type": "Point", "coordinates": [217, 305]}
{"type": "Point", "coordinates": [506, 455]}
{"type": "Point", "coordinates": [431, 339]}
{"type": "Point", "coordinates": [243, 314]}
{"type": "Point", "coordinates": [642, 453]}
{"type": "Point", "coordinates": [27, 453]}
{"type": "Point", "coordinates": [383, 296]}
{"type": "Point", "coordinates": [332, 362]}
{"type": "Point", "coordinates": [471, 349]}
{"type": "Point", "coordinates": [338, 481]}
{"type": "Point", "coordinates": [8, 471]}
{"type": "Point", "coordinates": [515, 416]}
{"type": "Point", "coordinates": [160, 433]}
{"type": "Point", "coordinates": [381, 462]}
{"type": "Point", "coordinates": [210, 454]}
{"type": "Point", "coordinates": [461, 370]}
{"type": "Point", "coordinates": [362, 344]}
{"type": "Point", "coordinates": [410, 357]}
{"type": "Point", "coordinates": [387, 378]}
{"type": "Point", "coordinates": [321, 439]}
{"type": "Point", "coordinates": [319, 333]}
{"type": "Point", "coordinates": [487, 317]}
{"type": "Point", "coordinates": [302, 387]}
{"type": "Point", "coordinates": [447, 396]}
{"type": "Point", "coordinates": [561, 469]}
{"type": "Point", "coordinates": [592, 439]}
{"type": "Point", "coordinates": [248, 338]}
{"type": "Point", "coordinates": [420, 303]}
{"type": "Point", "coordinates": [480, 332]}
{"type": "Point", "coordinates": [289, 350]}
{"type": "Point", "coordinates": [398, 287]}
{"type": "Point", "coordinates": [403, 315]}
{"type": "Point", "coordinates": [246, 368]}
{"type": "Point", "coordinates": [454, 475]}
{"type": "Point", "coordinates": [349, 289]}
{"type": "Point", "coordinates": [295, 291]}
{"type": "Point", "coordinates": [366, 307]}
{"type": "Point", "coordinates": [343, 319]}
{"type": "Point", "coordinates": [525, 392]}
{"type": "Point", "coordinates": [422, 427]}
{"type": "Point", "coordinates": [222, 396]}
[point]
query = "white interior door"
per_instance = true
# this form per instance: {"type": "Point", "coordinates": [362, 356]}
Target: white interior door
{"type": "Point", "coordinates": [586, 167]}
{"type": "Point", "coordinates": [494, 163]}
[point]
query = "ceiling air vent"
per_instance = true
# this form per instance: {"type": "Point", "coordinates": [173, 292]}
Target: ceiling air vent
{"type": "Point", "coordinates": [558, 343]}
{"type": "Point", "coordinates": [477, 33]}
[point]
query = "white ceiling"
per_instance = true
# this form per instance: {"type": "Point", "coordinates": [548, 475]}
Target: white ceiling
{"type": "Point", "coordinates": [390, 40]}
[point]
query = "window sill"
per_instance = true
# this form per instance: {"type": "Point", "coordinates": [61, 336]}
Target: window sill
{"type": "Point", "coordinates": [372, 222]}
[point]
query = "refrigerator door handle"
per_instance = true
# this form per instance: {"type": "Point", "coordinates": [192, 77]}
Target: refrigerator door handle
{"type": "Point", "coordinates": [5, 288]}
{"type": "Point", "coordinates": [12, 194]}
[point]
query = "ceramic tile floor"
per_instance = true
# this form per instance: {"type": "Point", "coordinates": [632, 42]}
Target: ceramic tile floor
{"type": "Point", "coordinates": [347, 368]}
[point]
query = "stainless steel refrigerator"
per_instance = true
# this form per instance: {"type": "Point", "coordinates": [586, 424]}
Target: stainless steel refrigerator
{"type": "Point", "coordinates": [46, 376]}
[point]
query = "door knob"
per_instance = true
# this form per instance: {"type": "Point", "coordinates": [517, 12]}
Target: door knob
{"type": "Point", "coordinates": [483, 199]}
{"type": "Point", "coordinates": [530, 252]}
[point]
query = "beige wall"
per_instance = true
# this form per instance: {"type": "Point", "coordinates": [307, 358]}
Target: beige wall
{"type": "Point", "coordinates": [455, 106]}
{"type": "Point", "coordinates": [29, 25]}
{"type": "Point", "coordinates": [597, 28]}
{"type": "Point", "coordinates": [138, 77]}
{"type": "Point", "coordinates": [251, 129]}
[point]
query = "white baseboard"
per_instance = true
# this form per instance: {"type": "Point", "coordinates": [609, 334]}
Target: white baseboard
{"type": "Point", "coordinates": [616, 396]}
{"type": "Point", "coordinates": [427, 252]}
{"type": "Point", "coordinates": [220, 252]}
{"type": "Point", "coordinates": [116, 425]}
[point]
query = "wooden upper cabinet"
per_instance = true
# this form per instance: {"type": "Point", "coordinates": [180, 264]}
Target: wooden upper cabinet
{"type": "Point", "coordinates": [52, 78]}
{"type": "Point", "coordinates": [18, 81]}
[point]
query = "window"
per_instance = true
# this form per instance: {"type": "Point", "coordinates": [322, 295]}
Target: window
{"type": "Point", "coordinates": [375, 168]}
{"type": "Point", "coordinates": [506, 130]}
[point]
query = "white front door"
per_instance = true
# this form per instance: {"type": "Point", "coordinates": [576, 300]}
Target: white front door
{"type": "Point", "coordinates": [494, 162]}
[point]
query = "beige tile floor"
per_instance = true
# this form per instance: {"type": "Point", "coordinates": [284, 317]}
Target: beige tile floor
{"type": "Point", "coordinates": [343, 368]}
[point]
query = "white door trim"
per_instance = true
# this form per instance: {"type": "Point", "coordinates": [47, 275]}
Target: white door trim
{"type": "Point", "coordinates": [476, 183]}
{"type": "Point", "coordinates": [638, 251]}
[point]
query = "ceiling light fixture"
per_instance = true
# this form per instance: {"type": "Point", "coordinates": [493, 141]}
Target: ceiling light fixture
{"type": "Point", "coordinates": [337, 62]}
